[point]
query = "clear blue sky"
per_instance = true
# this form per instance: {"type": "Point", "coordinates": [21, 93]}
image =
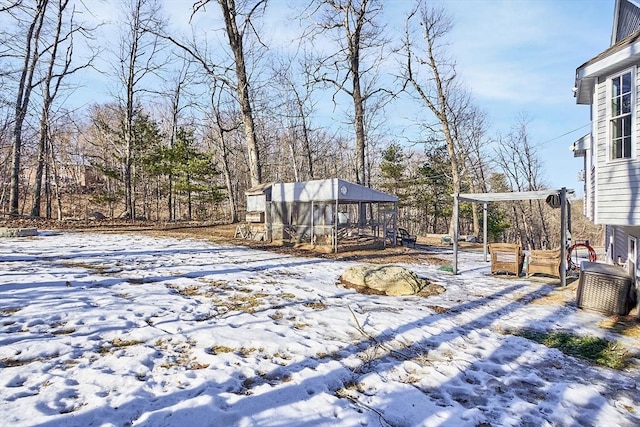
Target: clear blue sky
{"type": "Point", "coordinates": [521, 56]}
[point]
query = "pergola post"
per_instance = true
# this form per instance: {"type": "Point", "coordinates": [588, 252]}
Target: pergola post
{"type": "Point", "coordinates": [313, 236]}
{"type": "Point", "coordinates": [335, 227]}
{"type": "Point", "coordinates": [395, 224]}
{"type": "Point", "coordinates": [484, 231]}
{"type": "Point", "coordinates": [563, 236]}
{"type": "Point", "coordinates": [455, 233]}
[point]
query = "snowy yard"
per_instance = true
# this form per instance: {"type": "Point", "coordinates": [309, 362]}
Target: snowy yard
{"type": "Point", "coordinates": [119, 330]}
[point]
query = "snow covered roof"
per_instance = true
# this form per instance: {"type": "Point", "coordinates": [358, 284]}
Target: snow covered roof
{"type": "Point", "coordinates": [325, 190]}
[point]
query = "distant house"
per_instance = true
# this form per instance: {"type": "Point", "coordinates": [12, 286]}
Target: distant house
{"type": "Point", "coordinates": [70, 175]}
{"type": "Point", "coordinates": [610, 83]}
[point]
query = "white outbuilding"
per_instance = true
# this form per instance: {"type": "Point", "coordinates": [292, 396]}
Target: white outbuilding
{"type": "Point", "coordinates": [323, 212]}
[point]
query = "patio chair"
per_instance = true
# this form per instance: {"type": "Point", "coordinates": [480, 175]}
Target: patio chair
{"type": "Point", "coordinates": [544, 262]}
{"type": "Point", "coordinates": [506, 258]}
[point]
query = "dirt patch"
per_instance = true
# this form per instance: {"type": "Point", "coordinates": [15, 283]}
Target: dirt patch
{"type": "Point", "coordinates": [224, 233]}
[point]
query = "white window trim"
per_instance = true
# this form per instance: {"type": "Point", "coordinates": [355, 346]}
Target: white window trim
{"type": "Point", "coordinates": [634, 116]}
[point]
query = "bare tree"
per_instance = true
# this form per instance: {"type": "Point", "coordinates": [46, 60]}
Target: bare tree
{"type": "Point", "coordinates": [138, 57]}
{"type": "Point", "coordinates": [295, 93]}
{"type": "Point", "coordinates": [237, 23]}
{"type": "Point", "coordinates": [62, 45]}
{"type": "Point", "coordinates": [10, 5]}
{"type": "Point", "coordinates": [31, 56]}
{"type": "Point", "coordinates": [221, 126]}
{"type": "Point", "coordinates": [469, 136]}
{"type": "Point", "coordinates": [518, 160]}
{"type": "Point", "coordinates": [432, 78]}
{"type": "Point", "coordinates": [176, 94]}
{"type": "Point", "coordinates": [350, 70]}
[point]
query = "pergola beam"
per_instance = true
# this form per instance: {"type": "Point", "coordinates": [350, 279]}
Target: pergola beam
{"type": "Point", "coordinates": [485, 198]}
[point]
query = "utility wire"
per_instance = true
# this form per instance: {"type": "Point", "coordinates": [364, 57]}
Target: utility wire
{"type": "Point", "coordinates": [564, 134]}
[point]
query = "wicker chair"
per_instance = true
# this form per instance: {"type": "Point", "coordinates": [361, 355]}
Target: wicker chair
{"type": "Point", "coordinates": [544, 262]}
{"type": "Point", "coordinates": [506, 258]}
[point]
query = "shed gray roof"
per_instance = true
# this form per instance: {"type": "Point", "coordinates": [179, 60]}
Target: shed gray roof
{"type": "Point", "coordinates": [326, 190]}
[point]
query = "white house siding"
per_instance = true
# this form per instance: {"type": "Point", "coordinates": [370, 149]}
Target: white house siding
{"type": "Point", "coordinates": [617, 187]}
{"type": "Point", "coordinates": [617, 242]}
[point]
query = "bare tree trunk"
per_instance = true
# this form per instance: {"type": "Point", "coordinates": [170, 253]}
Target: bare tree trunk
{"type": "Point", "coordinates": [56, 180]}
{"type": "Point", "coordinates": [138, 49]}
{"type": "Point", "coordinates": [439, 92]}
{"type": "Point", "coordinates": [31, 58]}
{"type": "Point", "coordinates": [294, 163]}
{"type": "Point", "coordinates": [226, 171]}
{"type": "Point", "coordinates": [49, 94]}
{"type": "Point", "coordinates": [358, 104]}
{"type": "Point", "coordinates": [229, 13]}
{"type": "Point", "coordinates": [361, 33]}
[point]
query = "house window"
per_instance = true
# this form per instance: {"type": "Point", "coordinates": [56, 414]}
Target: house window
{"type": "Point", "coordinates": [621, 102]}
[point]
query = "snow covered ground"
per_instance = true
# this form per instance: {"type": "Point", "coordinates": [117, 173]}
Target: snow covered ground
{"type": "Point", "coordinates": [128, 330]}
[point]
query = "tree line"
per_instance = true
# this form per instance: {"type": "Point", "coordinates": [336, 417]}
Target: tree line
{"type": "Point", "coordinates": [199, 111]}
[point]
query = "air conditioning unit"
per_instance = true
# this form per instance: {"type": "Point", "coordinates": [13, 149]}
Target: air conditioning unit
{"type": "Point", "coordinates": [581, 175]}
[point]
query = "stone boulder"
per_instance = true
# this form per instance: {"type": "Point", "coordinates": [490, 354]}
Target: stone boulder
{"type": "Point", "coordinates": [383, 279]}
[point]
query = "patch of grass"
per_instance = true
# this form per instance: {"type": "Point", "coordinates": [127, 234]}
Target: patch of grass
{"type": "Point", "coordinates": [65, 331]}
{"type": "Point", "coordinates": [333, 355]}
{"type": "Point", "coordinates": [246, 351]}
{"type": "Point", "coordinates": [220, 349]}
{"type": "Point", "coordinates": [563, 295]}
{"type": "Point", "coordinates": [447, 268]}
{"type": "Point", "coordinates": [288, 295]}
{"type": "Point", "coordinates": [180, 355]}
{"type": "Point", "coordinates": [316, 305]}
{"type": "Point", "coordinates": [596, 350]}
{"type": "Point", "coordinates": [119, 342]}
{"type": "Point", "coordinates": [438, 309]}
{"type": "Point", "coordinates": [430, 289]}
{"type": "Point", "coordinates": [214, 288]}
{"type": "Point", "coordinates": [348, 391]}
{"type": "Point", "coordinates": [9, 311]}
{"type": "Point", "coordinates": [627, 326]}
{"type": "Point", "coordinates": [189, 291]}
{"type": "Point", "coordinates": [276, 316]}
{"type": "Point", "coordinates": [246, 303]}
{"type": "Point", "coordinates": [10, 362]}
{"type": "Point", "coordinates": [99, 269]}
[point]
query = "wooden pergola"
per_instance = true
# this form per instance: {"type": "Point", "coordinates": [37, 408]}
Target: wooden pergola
{"type": "Point", "coordinates": [486, 198]}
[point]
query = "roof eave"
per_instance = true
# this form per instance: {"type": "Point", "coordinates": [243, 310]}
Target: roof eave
{"type": "Point", "coordinates": [580, 146]}
{"type": "Point", "coordinates": [588, 73]}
